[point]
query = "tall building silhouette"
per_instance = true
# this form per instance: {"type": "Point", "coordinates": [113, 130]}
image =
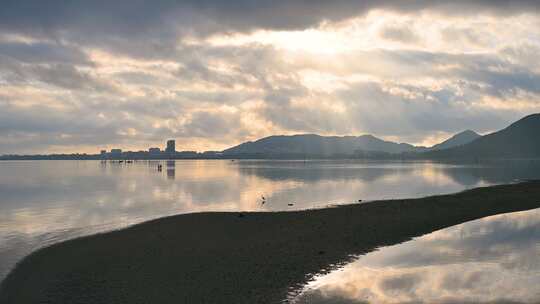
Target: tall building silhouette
{"type": "Point", "coordinates": [171, 146]}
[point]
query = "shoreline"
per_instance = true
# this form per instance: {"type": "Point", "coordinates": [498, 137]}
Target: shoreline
{"type": "Point", "coordinates": [232, 257]}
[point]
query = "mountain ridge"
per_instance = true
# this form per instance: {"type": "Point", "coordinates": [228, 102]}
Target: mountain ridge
{"type": "Point", "coordinates": [317, 144]}
{"type": "Point", "coordinates": [329, 145]}
{"type": "Point", "coordinates": [458, 139]}
{"type": "Point", "coordinates": [520, 139]}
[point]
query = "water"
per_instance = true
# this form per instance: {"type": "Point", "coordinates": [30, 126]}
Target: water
{"type": "Point", "coordinates": [43, 202]}
{"type": "Point", "coordinates": [491, 260]}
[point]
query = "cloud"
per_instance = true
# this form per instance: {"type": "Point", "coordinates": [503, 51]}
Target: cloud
{"type": "Point", "coordinates": [142, 17]}
{"type": "Point", "coordinates": [403, 284]}
{"type": "Point", "coordinates": [215, 73]}
{"type": "Point", "coordinates": [399, 33]}
{"type": "Point", "coordinates": [216, 124]}
{"type": "Point", "coordinates": [453, 265]}
{"type": "Point", "coordinates": [69, 77]}
{"type": "Point", "coordinates": [42, 52]}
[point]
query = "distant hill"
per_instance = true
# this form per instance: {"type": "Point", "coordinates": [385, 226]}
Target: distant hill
{"type": "Point", "coordinates": [311, 144]}
{"type": "Point", "coordinates": [459, 139]}
{"type": "Point", "coordinates": [519, 140]}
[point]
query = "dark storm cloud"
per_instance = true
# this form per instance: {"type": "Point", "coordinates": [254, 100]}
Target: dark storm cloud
{"type": "Point", "coordinates": [143, 17]}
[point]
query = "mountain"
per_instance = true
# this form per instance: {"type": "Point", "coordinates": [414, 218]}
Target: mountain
{"type": "Point", "coordinates": [311, 144]}
{"type": "Point", "coordinates": [459, 139]}
{"type": "Point", "coordinates": [519, 140]}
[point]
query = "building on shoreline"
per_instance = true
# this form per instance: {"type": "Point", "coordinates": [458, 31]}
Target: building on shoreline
{"type": "Point", "coordinates": [171, 146]}
{"type": "Point", "coordinates": [116, 152]}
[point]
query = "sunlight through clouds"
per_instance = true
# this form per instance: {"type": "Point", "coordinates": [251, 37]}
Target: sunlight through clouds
{"type": "Point", "coordinates": [412, 73]}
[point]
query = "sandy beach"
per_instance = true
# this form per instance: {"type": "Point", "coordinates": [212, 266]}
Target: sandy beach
{"type": "Point", "coordinates": [239, 257]}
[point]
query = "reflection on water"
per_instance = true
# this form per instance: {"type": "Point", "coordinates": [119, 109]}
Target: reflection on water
{"type": "Point", "coordinates": [492, 260]}
{"type": "Point", "coordinates": [43, 202]}
{"type": "Point", "coordinates": [171, 169]}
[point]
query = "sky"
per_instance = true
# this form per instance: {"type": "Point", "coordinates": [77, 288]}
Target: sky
{"type": "Point", "coordinates": [81, 76]}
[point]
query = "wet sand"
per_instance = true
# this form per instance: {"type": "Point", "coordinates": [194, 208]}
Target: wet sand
{"type": "Point", "coordinates": [239, 257]}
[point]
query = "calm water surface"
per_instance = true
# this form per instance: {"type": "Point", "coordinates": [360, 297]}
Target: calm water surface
{"type": "Point", "coordinates": [491, 260]}
{"type": "Point", "coordinates": [43, 202]}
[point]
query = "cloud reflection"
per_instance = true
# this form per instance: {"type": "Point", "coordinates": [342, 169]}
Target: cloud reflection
{"type": "Point", "coordinates": [59, 197]}
{"type": "Point", "coordinates": [492, 260]}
